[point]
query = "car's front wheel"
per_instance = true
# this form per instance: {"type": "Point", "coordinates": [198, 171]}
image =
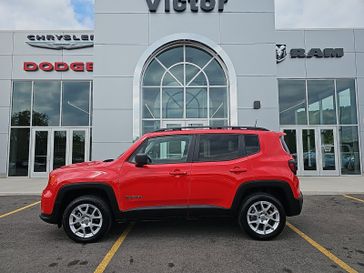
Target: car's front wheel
{"type": "Point", "coordinates": [86, 219]}
{"type": "Point", "coordinates": [262, 216]}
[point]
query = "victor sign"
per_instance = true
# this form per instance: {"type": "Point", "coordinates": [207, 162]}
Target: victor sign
{"type": "Point", "coordinates": [182, 5]}
{"type": "Point", "coordinates": [61, 41]}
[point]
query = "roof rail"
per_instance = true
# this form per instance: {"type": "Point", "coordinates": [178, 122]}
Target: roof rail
{"type": "Point", "coordinates": [211, 128]}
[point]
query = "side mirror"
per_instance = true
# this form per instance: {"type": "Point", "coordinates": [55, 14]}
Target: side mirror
{"type": "Point", "coordinates": [141, 160]}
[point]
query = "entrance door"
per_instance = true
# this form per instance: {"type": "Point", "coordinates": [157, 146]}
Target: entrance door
{"type": "Point", "coordinates": [40, 152]}
{"type": "Point", "coordinates": [315, 149]}
{"type": "Point", "coordinates": [54, 148]}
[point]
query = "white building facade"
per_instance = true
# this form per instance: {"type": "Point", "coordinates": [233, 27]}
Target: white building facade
{"type": "Point", "coordinates": [174, 64]}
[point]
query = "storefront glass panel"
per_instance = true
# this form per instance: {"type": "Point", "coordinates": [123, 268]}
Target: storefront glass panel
{"type": "Point", "coordinates": [309, 150]}
{"type": "Point", "coordinates": [346, 98]}
{"type": "Point", "coordinates": [196, 102]}
{"type": "Point", "coordinates": [173, 103]}
{"type": "Point", "coordinates": [41, 152]}
{"type": "Point", "coordinates": [153, 74]}
{"type": "Point", "coordinates": [46, 103]}
{"type": "Point", "coordinates": [321, 102]}
{"type": "Point", "coordinates": [292, 102]}
{"type": "Point", "coordinates": [21, 107]}
{"type": "Point", "coordinates": [218, 103]}
{"type": "Point", "coordinates": [78, 146]}
{"type": "Point", "coordinates": [349, 146]}
{"type": "Point", "coordinates": [76, 104]}
{"type": "Point", "coordinates": [19, 152]}
{"type": "Point", "coordinates": [59, 149]}
{"type": "Point", "coordinates": [41, 137]}
{"type": "Point", "coordinates": [328, 153]}
{"type": "Point", "coordinates": [197, 56]}
{"type": "Point", "coordinates": [151, 103]}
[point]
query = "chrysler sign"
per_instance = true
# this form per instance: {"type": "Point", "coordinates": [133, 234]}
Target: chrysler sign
{"type": "Point", "coordinates": [61, 41]}
{"type": "Point", "coordinates": [182, 5]}
{"type": "Point", "coordinates": [301, 53]}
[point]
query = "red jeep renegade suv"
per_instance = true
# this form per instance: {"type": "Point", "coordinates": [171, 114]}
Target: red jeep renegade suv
{"type": "Point", "coordinates": [242, 172]}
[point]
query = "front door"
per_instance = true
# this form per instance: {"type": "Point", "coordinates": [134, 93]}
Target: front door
{"type": "Point", "coordinates": [161, 184]}
{"type": "Point", "coordinates": [315, 149]}
{"type": "Point", "coordinates": [54, 148]}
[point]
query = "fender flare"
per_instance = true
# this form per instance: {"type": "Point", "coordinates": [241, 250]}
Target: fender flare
{"type": "Point", "coordinates": [292, 205]}
{"type": "Point", "coordinates": [80, 189]}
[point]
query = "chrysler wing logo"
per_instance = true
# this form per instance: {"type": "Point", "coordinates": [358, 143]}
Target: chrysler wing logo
{"type": "Point", "coordinates": [281, 52]}
{"type": "Point", "coordinates": [60, 46]}
{"type": "Point", "coordinates": [61, 41]}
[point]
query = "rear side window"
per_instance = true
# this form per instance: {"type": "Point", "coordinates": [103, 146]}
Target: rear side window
{"type": "Point", "coordinates": [218, 147]}
{"type": "Point", "coordinates": [251, 144]}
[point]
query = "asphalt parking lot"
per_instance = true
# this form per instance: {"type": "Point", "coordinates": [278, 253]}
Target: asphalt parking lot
{"type": "Point", "coordinates": [333, 223]}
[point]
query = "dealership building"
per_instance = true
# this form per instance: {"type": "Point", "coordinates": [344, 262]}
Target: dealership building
{"type": "Point", "coordinates": [73, 96]}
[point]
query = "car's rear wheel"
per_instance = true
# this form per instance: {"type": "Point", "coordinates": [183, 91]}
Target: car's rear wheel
{"type": "Point", "coordinates": [262, 216]}
{"type": "Point", "coordinates": [87, 219]}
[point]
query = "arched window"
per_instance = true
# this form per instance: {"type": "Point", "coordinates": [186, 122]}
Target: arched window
{"type": "Point", "coordinates": [184, 84]}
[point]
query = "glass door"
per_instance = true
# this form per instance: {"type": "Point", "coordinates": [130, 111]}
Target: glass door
{"type": "Point", "coordinates": [309, 152]}
{"type": "Point", "coordinates": [79, 143]}
{"type": "Point", "coordinates": [60, 150]}
{"type": "Point", "coordinates": [315, 150]}
{"type": "Point", "coordinates": [329, 151]}
{"type": "Point", "coordinates": [54, 148]}
{"type": "Point", "coordinates": [40, 152]}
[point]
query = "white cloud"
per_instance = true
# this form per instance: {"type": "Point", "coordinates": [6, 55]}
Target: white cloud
{"type": "Point", "coordinates": [319, 13]}
{"type": "Point", "coordinates": [39, 14]}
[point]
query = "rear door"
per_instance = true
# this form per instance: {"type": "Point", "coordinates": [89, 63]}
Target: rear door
{"type": "Point", "coordinates": [220, 163]}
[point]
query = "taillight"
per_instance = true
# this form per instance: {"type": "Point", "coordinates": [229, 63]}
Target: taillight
{"type": "Point", "coordinates": [292, 164]}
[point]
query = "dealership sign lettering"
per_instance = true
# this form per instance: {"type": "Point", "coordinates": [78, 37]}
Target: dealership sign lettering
{"type": "Point", "coordinates": [182, 5]}
{"type": "Point", "coordinates": [61, 41]}
{"type": "Point", "coordinates": [281, 53]}
{"type": "Point", "coordinates": [59, 66]}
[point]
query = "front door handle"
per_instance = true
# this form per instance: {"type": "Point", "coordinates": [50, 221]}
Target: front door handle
{"type": "Point", "coordinates": [238, 170]}
{"type": "Point", "coordinates": [178, 173]}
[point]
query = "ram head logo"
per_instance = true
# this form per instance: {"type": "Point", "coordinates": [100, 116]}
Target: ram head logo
{"type": "Point", "coordinates": [281, 52]}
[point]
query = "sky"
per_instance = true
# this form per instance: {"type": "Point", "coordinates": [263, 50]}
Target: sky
{"type": "Point", "coordinates": [78, 14]}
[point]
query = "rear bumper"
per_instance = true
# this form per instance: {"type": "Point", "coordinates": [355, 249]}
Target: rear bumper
{"type": "Point", "coordinates": [295, 206]}
{"type": "Point", "coordinates": [50, 219]}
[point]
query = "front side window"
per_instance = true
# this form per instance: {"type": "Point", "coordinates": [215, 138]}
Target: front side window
{"type": "Point", "coordinates": [165, 150]}
{"type": "Point", "coordinates": [184, 82]}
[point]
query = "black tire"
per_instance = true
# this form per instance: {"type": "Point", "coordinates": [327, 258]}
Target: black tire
{"type": "Point", "coordinates": [103, 212]}
{"type": "Point", "coordinates": [264, 217]}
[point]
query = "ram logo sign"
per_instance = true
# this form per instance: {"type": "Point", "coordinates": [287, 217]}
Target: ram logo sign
{"type": "Point", "coordinates": [301, 53]}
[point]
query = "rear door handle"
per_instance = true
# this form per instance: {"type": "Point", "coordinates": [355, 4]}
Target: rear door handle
{"type": "Point", "coordinates": [178, 173]}
{"type": "Point", "coordinates": [238, 170]}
